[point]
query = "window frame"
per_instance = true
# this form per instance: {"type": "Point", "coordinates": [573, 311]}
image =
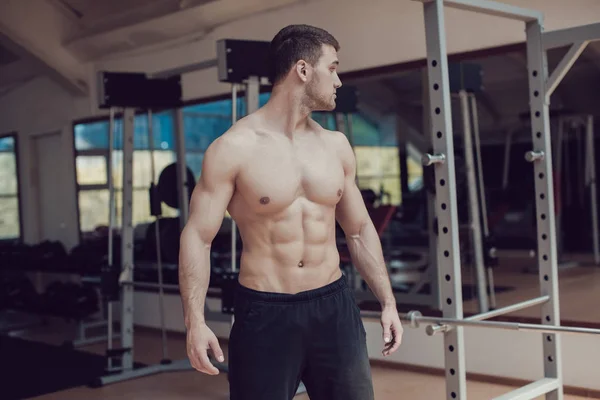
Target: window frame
{"type": "Point", "coordinates": [15, 137]}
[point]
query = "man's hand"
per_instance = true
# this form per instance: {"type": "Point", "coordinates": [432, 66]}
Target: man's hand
{"type": "Point", "coordinates": [199, 339]}
{"type": "Point", "coordinates": [392, 330]}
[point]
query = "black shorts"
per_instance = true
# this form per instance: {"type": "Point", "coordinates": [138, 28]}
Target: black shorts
{"type": "Point", "coordinates": [315, 337]}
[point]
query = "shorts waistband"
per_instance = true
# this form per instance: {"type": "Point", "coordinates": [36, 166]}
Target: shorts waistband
{"type": "Point", "coordinates": [256, 295]}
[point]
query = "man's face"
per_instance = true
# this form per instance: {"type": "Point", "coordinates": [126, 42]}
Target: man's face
{"type": "Point", "coordinates": [324, 81]}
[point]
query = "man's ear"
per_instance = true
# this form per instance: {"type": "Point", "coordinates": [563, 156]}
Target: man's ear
{"type": "Point", "coordinates": [302, 70]}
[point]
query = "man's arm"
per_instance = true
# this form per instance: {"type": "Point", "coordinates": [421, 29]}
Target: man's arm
{"type": "Point", "coordinates": [208, 204]}
{"type": "Point", "coordinates": [362, 238]}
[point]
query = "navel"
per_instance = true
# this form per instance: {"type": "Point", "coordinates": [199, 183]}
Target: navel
{"type": "Point", "coordinates": [265, 200]}
{"type": "Point", "coordinates": [300, 264]}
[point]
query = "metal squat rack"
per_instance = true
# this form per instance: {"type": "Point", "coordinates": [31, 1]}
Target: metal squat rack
{"type": "Point", "coordinates": [541, 86]}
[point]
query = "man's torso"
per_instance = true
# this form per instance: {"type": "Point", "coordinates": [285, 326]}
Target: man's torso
{"type": "Point", "coordinates": [284, 206]}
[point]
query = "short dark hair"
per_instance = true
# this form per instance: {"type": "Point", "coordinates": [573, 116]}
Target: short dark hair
{"type": "Point", "coordinates": [297, 42]}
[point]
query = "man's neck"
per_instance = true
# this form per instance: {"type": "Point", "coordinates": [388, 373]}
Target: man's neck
{"type": "Point", "coordinates": [286, 111]}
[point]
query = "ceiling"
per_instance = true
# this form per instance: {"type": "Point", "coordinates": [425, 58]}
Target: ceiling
{"type": "Point", "coordinates": [77, 32]}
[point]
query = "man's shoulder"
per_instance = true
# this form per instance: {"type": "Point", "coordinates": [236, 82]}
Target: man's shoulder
{"type": "Point", "coordinates": [339, 142]}
{"type": "Point", "coordinates": [236, 138]}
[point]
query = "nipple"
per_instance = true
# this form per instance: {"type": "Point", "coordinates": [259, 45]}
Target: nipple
{"type": "Point", "coordinates": [264, 200]}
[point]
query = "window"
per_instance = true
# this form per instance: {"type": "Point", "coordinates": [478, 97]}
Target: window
{"type": "Point", "coordinates": [91, 163]}
{"type": "Point", "coordinates": [10, 212]}
{"type": "Point", "coordinates": [202, 124]}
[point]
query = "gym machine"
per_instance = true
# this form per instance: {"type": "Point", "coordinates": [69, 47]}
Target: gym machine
{"type": "Point", "coordinates": [133, 91]}
{"type": "Point", "coordinates": [541, 86]}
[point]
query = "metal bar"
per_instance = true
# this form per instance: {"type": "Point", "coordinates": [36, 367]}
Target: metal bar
{"type": "Point", "coordinates": [592, 182]}
{"type": "Point", "coordinates": [474, 216]}
{"type": "Point", "coordinates": [111, 220]}
{"type": "Point", "coordinates": [494, 8]}
{"type": "Point", "coordinates": [537, 68]}
{"type": "Point", "coordinates": [252, 94]}
{"type": "Point", "coordinates": [182, 187]}
{"type": "Point", "coordinates": [477, 136]}
{"type": "Point", "coordinates": [482, 197]}
{"type": "Point", "coordinates": [563, 67]}
{"type": "Point", "coordinates": [150, 285]}
{"type": "Point", "coordinates": [181, 365]}
{"type": "Point", "coordinates": [234, 118]}
{"type": "Point", "coordinates": [161, 303]}
{"type": "Point", "coordinates": [565, 37]}
{"type": "Point", "coordinates": [185, 69]}
{"type": "Point", "coordinates": [514, 326]}
{"type": "Point", "coordinates": [111, 186]}
{"type": "Point", "coordinates": [533, 390]}
{"type": "Point", "coordinates": [92, 340]}
{"type": "Point", "coordinates": [448, 249]}
{"type": "Point", "coordinates": [509, 309]}
{"type": "Point", "coordinates": [506, 169]}
{"type": "Point", "coordinates": [559, 143]}
{"type": "Point", "coordinates": [415, 318]}
{"type": "Point", "coordinates": [433, 329]}
{"type": "Point", "coordinates": [127, 239]}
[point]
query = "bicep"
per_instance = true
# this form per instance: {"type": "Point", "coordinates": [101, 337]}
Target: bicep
{"type": "Point", "coordinates": [351, 212]}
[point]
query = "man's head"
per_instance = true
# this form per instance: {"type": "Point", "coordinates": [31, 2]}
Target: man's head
{"type": "Point", "coordinates": [307, 56]}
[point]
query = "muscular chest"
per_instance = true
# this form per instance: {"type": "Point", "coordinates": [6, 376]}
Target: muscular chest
{"type": "Point", "coordinates": [280, 175]}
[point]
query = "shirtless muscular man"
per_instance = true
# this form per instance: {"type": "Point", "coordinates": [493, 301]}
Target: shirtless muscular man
{"type": "Point", "coordinates": [286, 181]}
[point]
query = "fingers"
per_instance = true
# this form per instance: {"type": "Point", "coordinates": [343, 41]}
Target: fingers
{"type": "Point", "coordinates": [200, 361]}
{"type": "Point", "coordinates": [387, 332]}
{"type": "Point", "coordinates": [394, 344]}
{"type": "Point", "coordinates": [207, 366]}
{"type": "Point", "coordinates": [216, 349]}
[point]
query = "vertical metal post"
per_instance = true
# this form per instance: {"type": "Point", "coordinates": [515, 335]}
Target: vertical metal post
{"type": "Point", "coordinates": [591, 175]}
{"type": "Point", "coordinates": [474, 214]}
{"type": "Point", "coordinates": [432, 270]}
{"type": "Point", "coordinates": [544, 196]}
{"type": "Point", "coordinates": [234, 118]}
{"type": "Point", "coordinates": [252, 93]}
{"type": "Point", "coordinates": [558, 173]}
{"type": "Point", "coordinates": [482, 197]}
{"type": "Point", "coordinates": [476, 136]}
{"type": "Point", "coordinates": [448, 249]}
{"type": "Point", "coordinates": [111, 223]}
{"type": "Point", "coordinates": [506, 169]}
{"type": "Point", "coordinates": [159, 264]}
{"type": "Point", "coordinates": [127, 241]}
{"type": "Point", "coordinates": [182, 187]}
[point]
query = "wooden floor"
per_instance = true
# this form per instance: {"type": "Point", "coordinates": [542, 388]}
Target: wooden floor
{"type": "Point", "coordinates": [389, 383]}
{"type": "Point", "coordinates": [579, 289]}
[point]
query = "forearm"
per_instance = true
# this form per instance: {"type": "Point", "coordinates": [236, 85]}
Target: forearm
{"type": "Point", "coordinates": [194, 275]}
{"type": "Point", "coordinates": [367, 256]}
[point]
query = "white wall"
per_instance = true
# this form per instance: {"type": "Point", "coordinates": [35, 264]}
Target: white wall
{"type": "Point", "coordinates": [39, 107]}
